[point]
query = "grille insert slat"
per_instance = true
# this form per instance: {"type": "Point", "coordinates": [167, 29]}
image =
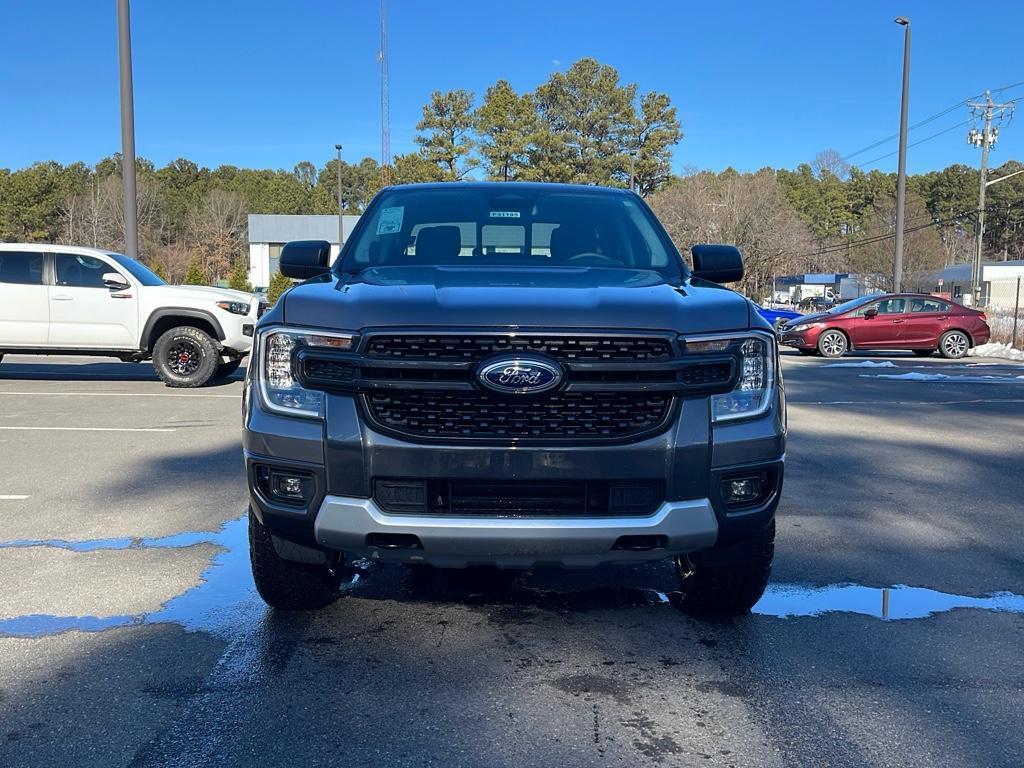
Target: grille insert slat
{"type": "Point", "coordinates": [565, 415]}
{"type": "Point", "coordinates": [454, 347]}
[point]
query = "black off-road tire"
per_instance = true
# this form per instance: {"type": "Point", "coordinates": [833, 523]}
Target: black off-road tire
{"type": "Point", "coordinates": [833, 344]}
{"type": "Point", "coordinates": [727, 590]}
{"type": "Point", "coordinates": [226, 369]}
{"type": "Point", "coordinates": [195, 357]}
{"type": "Point", "coordinates": [923, 352]}
{"type": "Point", "coordinates": [954, 344]}
{"type": "Point", "coordinates": [287, 585]}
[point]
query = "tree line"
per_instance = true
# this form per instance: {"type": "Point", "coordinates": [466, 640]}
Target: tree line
{"type": "Point", "coordinates": [582, 125]}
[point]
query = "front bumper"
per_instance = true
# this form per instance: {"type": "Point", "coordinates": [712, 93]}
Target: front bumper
{"type": "Point", "coordinates": [456, 542]}
{"type": "Point", "coordinates": [342, 456]}
{"type": "Point", "coordinates": [801, 340]}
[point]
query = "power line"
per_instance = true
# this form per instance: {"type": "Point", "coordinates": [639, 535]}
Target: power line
{"type": "Point", "coordinates": [920, 123]}
{"type": "Point", "coordinates": [914, 144]}
{"type": "Point", "coordinates": [1004, 211]}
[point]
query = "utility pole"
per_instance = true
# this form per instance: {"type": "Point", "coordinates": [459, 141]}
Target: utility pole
{"type": "Point", "coordinates": [131, 211]}
{"type": "Point", "coordinates": [341, 230]}
{"type": "Point", "coordinates": [385, 103]}
{"type": "Point", "coordinates": [901, 177]}
{"type": "Point", "coordinates": [986, 138]}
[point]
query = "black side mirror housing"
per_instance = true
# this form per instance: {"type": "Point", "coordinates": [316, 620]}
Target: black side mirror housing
{"type": "Point", "coordinates": [717, 263]}
{"type": "Point", "coordinates": [303, 259]}
{"type": "Point", "coordinates": [870, 313]}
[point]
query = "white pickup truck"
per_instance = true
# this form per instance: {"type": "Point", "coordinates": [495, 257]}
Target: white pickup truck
{"type": "Point", "coordinates": [62, 299]}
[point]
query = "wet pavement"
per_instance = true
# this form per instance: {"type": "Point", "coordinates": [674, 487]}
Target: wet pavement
{"type": "Point", "coordinates": [890, 635]}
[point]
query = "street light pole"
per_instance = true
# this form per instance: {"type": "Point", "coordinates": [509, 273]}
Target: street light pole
{"type": "Point", "coordinates": [340, 220]}
{"type": "Point", "coordinates": [131, 212]}
{"type": "Point", "coordinates": [901, 177]}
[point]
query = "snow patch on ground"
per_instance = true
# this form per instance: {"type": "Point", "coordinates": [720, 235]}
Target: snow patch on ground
{"type": "Point", "coordinates": [864, 364]}
{"type": "Point", "coordinates": [918, 376]}
{"type": "Point", "coordinates": [995, 349]}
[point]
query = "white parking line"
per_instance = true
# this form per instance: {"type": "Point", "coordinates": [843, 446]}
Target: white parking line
{"type": "Point", "coordinates": [89, 429]}
{"type": "Point", "coordinates": [117, 394]}
{"type": "Point", "coordinates": [13, 497]}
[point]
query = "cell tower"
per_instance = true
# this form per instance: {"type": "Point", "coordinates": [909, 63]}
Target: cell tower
{"type": "Point", "coordinates": [385, 106]}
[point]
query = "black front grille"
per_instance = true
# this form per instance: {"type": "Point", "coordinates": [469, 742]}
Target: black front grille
{"type": "Point", "coordinates": [560, 416]}
{"type": "Point", "coordinates": [568, 348]}
{"type": "Point", "coordinates": [510, 498]}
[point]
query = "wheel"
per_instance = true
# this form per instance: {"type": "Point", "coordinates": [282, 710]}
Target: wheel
{"type": "Point", "coordinates": [727, 590]}
{"type": "Point", "coordinates": [923, 352]}
{"type": "Point", "coordinates": [284, 584]}
{"type": "Point", "coordinates": [226, 369]}
{"type": "Point", "coordinates": [954, 344]}
{"type": "Point", "coordinates": [185, 357]}
{"type": "Point", "coordinates": [808, 352]}
{"type": "Point", "coordinates": [832, 344]}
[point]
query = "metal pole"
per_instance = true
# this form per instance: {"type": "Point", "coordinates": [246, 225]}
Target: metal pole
{"type": "Point", "coordinates": [901, 178]}
{"type": "Point", "coordinates": [341, 232]}
{"type": "Point", "coordinates": [131, 212]}
{"type": "Point", "coordinates": [976, 271]}
{"type": "Point", "coordinates": [1016, 312]}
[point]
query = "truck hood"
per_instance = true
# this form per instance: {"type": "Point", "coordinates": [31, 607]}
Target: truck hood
{"type": "Point", "coordinates": [200, 293]}
{"type": "Point", "coordinates": [569, 297]}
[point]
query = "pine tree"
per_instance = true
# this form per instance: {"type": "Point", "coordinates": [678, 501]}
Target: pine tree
{"type": "Point", "coordinates": [278, 285]}
{"type": "Point", "coordinates": [239, 277]}
{"type": "Point", "coordinates": [195, 274]}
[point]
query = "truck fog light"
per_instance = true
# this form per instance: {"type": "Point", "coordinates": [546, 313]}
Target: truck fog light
{"type": "Point", "coordinates": [741, 490]}
{"type": "Point", "coordinates": [284, 485]}
{"type": "Point", "coordinates": [289, 486]}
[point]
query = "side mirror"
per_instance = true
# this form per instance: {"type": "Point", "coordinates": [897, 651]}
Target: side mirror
{"type": "Point", "coordinates": [303, 259]}
{"type": "Point", "coordinates": [717, 263]}
{"type": "Point", "coordinates": [870, 313]}
{"type": "Point", "coordinates": [115, 281]}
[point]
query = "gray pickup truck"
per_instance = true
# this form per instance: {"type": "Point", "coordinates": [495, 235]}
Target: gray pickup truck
{"type": "Point", "coordinates": [513, 375]}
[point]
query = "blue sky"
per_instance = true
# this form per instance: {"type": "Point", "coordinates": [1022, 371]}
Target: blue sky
{"type": "Point", "coordinates": [263, 83]}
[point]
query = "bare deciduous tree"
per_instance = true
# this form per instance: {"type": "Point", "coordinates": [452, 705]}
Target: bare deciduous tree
{"type": "Point", "coordinates": [750, 210]}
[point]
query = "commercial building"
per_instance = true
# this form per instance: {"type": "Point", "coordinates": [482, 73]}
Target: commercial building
{"type": "Point", "coordinates": [268, 232]}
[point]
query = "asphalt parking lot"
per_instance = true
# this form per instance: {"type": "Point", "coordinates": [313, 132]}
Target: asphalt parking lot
{"type": "Point", "coordinates": [130, 633]}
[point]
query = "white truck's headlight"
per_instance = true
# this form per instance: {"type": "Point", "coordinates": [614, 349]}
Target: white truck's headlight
{"type": "Point", "coordinates": [755, 388]}
{"type": "Point", "coordinates": [279, 389]}
{"type": "Point", "coordinates": [234, 307]}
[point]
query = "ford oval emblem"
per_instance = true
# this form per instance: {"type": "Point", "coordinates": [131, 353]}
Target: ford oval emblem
{"type": "Point", "coordinates": [520, 375]}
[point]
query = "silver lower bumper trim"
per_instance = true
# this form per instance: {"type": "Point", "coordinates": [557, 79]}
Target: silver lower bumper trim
{"type": "Point", "coordinates": [456, 542]}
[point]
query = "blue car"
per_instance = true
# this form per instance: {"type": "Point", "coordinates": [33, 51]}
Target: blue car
{"type": "Point", "coordinates": [777, 317]}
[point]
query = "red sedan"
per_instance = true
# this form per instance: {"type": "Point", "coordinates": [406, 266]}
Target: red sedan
{"type": "Point", "coordinates": [916, 321]}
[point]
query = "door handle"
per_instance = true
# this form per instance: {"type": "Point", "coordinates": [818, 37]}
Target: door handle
{"type": "Point", "coordinates": [897, 322]}
{"type": "Point", "coordinates": [61, 297]}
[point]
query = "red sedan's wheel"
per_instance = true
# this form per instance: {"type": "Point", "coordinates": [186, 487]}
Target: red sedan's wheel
{"type": "Point", "coordinates": [954, 344]}
{"type": "Point", "coordinates": [832, 344]}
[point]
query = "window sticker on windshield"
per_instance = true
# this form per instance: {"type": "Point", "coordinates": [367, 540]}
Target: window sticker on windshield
{"type": "Point", "coordinates": [504, 214]}
{"type": "Point", "coordinates": [390, 220]}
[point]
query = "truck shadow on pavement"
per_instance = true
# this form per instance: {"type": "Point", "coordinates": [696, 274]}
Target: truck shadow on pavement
{"type": "Point", "coordinates": [105, 371]}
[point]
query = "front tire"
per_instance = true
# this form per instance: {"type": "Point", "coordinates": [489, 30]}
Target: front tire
{"type": "Point", "coordinates": [287, 585]}
{"type": "Point", "coordinates": [727, 590]}
{"type": "Point", "coordinates": [954, 344]}
{"type": "Point", "coordinates": [833, 344]}
{"type": "Point", "coordinates": [185, 357]}
{"type": "Point", "coordinates": [226, 369]}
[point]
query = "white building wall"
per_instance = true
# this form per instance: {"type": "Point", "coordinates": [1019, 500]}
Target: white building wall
{"type": "Point", "coordinates": [259, 264]}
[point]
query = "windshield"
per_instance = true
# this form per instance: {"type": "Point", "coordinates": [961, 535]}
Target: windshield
{"type": "Point", "coordinates": [838, 309]}
{"type": "Point", "coordinates": [509, 226]}
{"type": "Point", "coordinates": [138, 270]}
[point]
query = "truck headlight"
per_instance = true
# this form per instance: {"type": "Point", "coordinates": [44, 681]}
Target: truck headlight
{"type": "Point", "coordinates": [755, 388]}
{"type": "Point", "coordinates": [280, 390]}
{"type": "Point", "coordinates": [234, 307]}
